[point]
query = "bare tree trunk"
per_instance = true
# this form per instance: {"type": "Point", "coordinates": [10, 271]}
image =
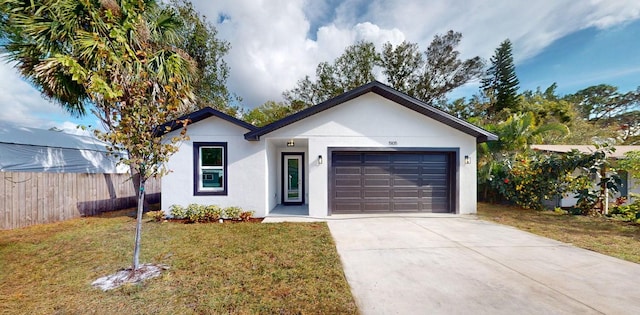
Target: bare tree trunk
{"type": "Point", "coordinates": [135, 177]}
{"type": "Point", "coordinates": [604, 193]}
{"type": "Point", "coordinates": [136, 249]}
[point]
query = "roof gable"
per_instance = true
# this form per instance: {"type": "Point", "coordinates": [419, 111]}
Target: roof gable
{"type": "Point", "coordinates": [204, 114]}
{"type": "Point", "coordinates": [387, 92]}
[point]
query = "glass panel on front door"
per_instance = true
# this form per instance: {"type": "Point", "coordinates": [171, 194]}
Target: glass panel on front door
{"type": "Point", "coordinates": [293, 178]}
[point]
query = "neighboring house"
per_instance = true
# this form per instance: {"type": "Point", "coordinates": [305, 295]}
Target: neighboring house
{"type": "Point", "coordinates": [628, 184]}
{"type": "Point", "coordinates": [24, 149]}
{"type": "Point", "coordinates": [370, 150]}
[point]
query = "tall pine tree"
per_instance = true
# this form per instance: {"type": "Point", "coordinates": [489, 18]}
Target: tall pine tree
{"type": "Point", "coordinates": [500, 81]}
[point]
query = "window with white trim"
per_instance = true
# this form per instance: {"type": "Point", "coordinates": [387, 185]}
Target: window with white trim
{"type": "Point", "coordinates": [210, 168]}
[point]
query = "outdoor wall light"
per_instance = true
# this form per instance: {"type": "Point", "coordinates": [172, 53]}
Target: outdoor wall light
{"type": "Point", "coordinates": [290, 143]}
{"type": "Point", "coordinates": [467, 160]}
{"type": "Point", "coordinates": [319, 159]}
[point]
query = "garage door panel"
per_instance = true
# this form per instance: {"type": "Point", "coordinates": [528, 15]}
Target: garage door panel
{"type": "Point", "coordinates": [376, 170]}
{"type": "Point", "coordinates": [406, 170]}
{"type": "Point", "coordinates": [435, 184]}
{"type": "Point", "coordinates": [406, 181]}
{"type": "Point", "coordinates": [348, 170]}
{"type": "Point", "coordinates": [407, 206]}
{"type": "Point", "coordinates": [435, 158]}
{"type": "Point", "coordinates": [371, 182]}
{"type": "Point", "coordinates": [377, 158]}
{"type": "Point", "coordinates": [406, 158]}
{"type": "Point", "coordinates": [370, 206]}
{"type": "Point", "coordinates": [434, 169]}
{"type": "Point", "coordinates": [434, 176]}
{"type": "Point", "coordinates": [406, 193]}
{"type": "Point", "coordinates": [348, 194]}
{"type": "Point", "coordinates": [377, 182]}
{"type": "Point", "coordinates": [347, 158]}
{"type": "Point", "coordinates": [345, 207]}
{"type": "Point", "coordinates": [348, 182]}
{"type": "Point", "coordinates": [372, 194]}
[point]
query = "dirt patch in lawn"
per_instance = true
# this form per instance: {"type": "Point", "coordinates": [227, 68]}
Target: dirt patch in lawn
{"type": "Point", "coordinates": [128, 276]}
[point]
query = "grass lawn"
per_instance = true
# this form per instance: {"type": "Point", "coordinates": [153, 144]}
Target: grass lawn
{"type": "Point", "coordinates": [246, 268]}
{"type": "Point", "coordinates": [613, 238]}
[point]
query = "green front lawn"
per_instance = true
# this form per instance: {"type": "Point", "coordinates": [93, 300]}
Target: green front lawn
{"type": "Point", "coordinates": [242, 268]}
{"type": "Point", "coordinates": [602, 235]}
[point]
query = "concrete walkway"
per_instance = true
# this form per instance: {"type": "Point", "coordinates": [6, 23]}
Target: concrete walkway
{"type": "Point", "coordinates": [461, 265]}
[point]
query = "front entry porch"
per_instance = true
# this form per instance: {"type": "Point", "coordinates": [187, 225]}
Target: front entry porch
{"type": "Point", "coordinates": [290, 210]}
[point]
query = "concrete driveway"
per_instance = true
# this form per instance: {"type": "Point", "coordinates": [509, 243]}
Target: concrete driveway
{"type": "Point", "coordinates": [461, 265]}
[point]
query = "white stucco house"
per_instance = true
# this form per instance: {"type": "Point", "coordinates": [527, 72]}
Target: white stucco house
{"type": "Point", "coordinates": [370, 150]}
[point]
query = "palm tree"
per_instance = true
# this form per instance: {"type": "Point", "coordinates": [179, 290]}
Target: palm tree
{"type": "Point", "coordinates": [516, 134]}
{"type": "Point", "coordinates": [30, 33]}
{"type": "Point", "coordinates": [119, 56]}
{"type": "Point", "coordinates": [39, 34]}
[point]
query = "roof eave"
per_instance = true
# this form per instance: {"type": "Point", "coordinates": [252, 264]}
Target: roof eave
{"type": "Point", "coordinates": [202, 114]}
{"type": "Point", "coordinates": [388, 93]}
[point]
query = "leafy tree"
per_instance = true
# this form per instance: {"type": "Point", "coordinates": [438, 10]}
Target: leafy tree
{"type": "Point", "coordinates": [628, 126]}
{"type": "Point", "coordinates": [528, 178]}
{"type": "Point", "coordinates": [605, 107]}
{"type": "Point", "coordinates": [547, 106]}
{"type": "Point", "coordinates": [458, 108]}
{"type": "Point", "coordinates": [519, 131]}
{"type": "Point", "coordinates": [428, 76]}
{"type": "Point", "coordinates": [515, 136]}
{"type": "Point", "coordinates": [598, 102]}
{"type": "Point", "coordinates": [631, 164]}
{"type": "Point", "coordinates": [267, 113]}
{"type": "Point", "coordinates": [119, 54]}
{"type": "Point", "coordinates": [352, 69]}
{"type": "Point", "coordinates": [443, 69]}
{"type": "Point", "coordinates": [45, 38]}
{"type": "Point", "coordinates": [199, 40]}
{"type": "Point", "coordinates": [401, 64]}
{"type": "Point", "coordinates": [500, 81]}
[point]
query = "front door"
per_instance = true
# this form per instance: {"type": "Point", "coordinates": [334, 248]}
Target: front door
{"type": "Point", "coordinates": [292, 178]}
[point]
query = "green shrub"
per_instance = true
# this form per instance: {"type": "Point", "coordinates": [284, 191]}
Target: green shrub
{"type": "Point", "coordinates": [212, 213]}
{"type": "Point", "coordinates": [178, 211]}
{"type": "Point", "coordinates": [629, 213]}
{"type": "Point", "coordinates": [528, 178]}
{"type": "Point", "coordinates": [195, 212]}
{"type": "Point", "coordinates": [246, 215]}
{"type": "Point", "coordinates": [232, 213]}
{"type": "Point", "coordinates": [157, 216]}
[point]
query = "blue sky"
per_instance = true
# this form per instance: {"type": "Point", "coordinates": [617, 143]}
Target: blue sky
{"type": "Point", "coordinates": [581, 59]}
{"type": "Point", "coordinates": [587, 57]}
{"type": "Point", "coordinates": [274, 43]}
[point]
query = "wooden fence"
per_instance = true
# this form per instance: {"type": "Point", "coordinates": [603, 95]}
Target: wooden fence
{"type": "Point", "coordinates": [34, 198]}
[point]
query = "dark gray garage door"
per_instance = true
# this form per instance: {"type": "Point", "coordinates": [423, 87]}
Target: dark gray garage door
{"type": "Point", "coordinates": [370, 182]}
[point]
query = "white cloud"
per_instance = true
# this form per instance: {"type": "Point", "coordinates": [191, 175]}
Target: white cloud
{"type": "Point", "coordinates": [22, 104]}
{"type": "Point", "coordinates": [272, 49]}
{"type": "Point", "coordinates": [277, 42]}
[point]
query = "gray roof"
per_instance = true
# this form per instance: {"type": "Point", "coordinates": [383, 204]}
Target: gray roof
{"type": "Point", "coordinates": [11, 134]}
